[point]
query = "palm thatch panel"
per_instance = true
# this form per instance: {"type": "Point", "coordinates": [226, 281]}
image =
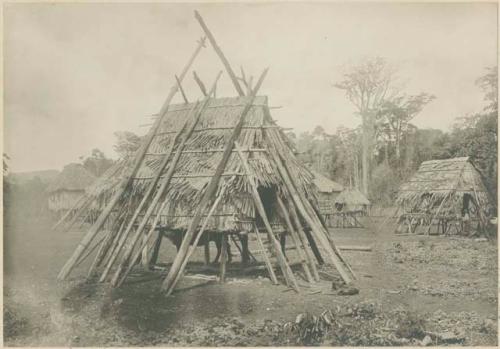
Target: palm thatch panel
{"type": "Point", "coordinates": [197, 163]}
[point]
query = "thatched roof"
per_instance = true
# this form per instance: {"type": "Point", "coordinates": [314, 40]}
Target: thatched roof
{"type": "Point", "coordinates": [440, 179]}
{"type": "Point", "coordinates": [352, 197]}
{"type": "Point", "coordinates": [74, 177]}
{"type": "Point", "coordinates": [326, 185]}
{"type": "Point", "coordinates": [200, 157]}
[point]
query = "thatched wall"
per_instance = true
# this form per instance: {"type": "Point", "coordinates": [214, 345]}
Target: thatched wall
{"type": "Point", "coordinates": [443, 180]}
{"type": "Point", "coordinates": [63, 200]}
{"type": "Point", "coordinates": [200, 157]}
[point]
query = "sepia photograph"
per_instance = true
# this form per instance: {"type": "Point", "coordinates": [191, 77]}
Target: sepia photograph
{"type": "Point", "coordinates": [250, 174]}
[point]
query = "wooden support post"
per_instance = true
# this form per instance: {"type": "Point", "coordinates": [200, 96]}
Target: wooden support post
{"type": "Point", "coordinates": [269, 266]}
{"type": "Point", "coordinates": [223, 258]}
{"type": "Point", "coordinates": [285, 268]}
{"type": "Point", "coordinates": [156, 249]}
{"type": "Point", "coordinates": [217, 50]}
{"type": "Point", "coordinates": [295, 239]}
{"type": "Point", "coordinates": [145, 253]}
{"type": "Point", "coordinates": [199, 235]}
{"type": "Point", "coordinates": [209, 191]}
{"type": "Point", "coordinates": [87, 239]}
{"type": "Point", "coordinates": [200, 83]}
{"type": "Point", "coordinates": [181, 89]}
{"type": "Point", "coordinates": [207, 252]}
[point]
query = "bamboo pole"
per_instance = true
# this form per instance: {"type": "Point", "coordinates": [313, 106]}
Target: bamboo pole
{"type": "Point", "coordinates": [267, 261]}
{"type": "Point", "coordinates": [165, 183]}
{"type": "Point", "coordinates": [181, 89]}
{"type": "Point", "coordinates": [295, 239]}
{"type": "Point", "coordinates": [303, 239]}
{"type": "Point", "coordinates": [315, 228]}
{"type": "Point", "coordinates": [210, 190]}
{"type": "Point", "coordinates": [200, 83]}
{"type": "Point", "coordinates": [217, 50]}
{"type": "Point", "coordinates": [313, 212]}
{"type": "Point", "coordinates": [287, 271]}
{"type": "Point", "coordinates": [147, 196]}
{"type": "Point", "coordinates": [87, 239]}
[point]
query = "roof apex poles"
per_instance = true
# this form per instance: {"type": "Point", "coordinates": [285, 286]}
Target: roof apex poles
{"type": "Point", "coordinates": [218, 50]}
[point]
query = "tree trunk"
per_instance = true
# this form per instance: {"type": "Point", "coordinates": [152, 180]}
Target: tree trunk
{"type": "Point", "coordinates": [366, 151]}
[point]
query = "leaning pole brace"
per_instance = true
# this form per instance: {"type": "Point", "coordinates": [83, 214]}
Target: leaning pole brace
{"type": "Point", "coordinates": [217, 50]}
{"type": "Point", "coordinates": [82, 246]}
{"type": "Point", "coordinates": [317, 231]}
{"type": "Point", "coordinates": [285, 268]}
{"type": "Point", "coordinates": [163, 187]}
{"type": "Point", "coordinates": [210, 191]}
{"type": "Point", "coordinates": [147, 196]}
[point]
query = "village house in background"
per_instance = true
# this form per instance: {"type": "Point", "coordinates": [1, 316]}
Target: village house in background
{"type": "Point", "coordinates": [327, 191]}
{"type": "Point", "coordinates": [447, 195]}
{"type": "Point", "coordinates": [68, 187]}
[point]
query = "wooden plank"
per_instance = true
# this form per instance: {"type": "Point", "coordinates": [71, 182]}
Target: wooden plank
{"type": "Point", "coordinates": [355, 248]}
{"type": "Point", "coordinates": [218, 50]}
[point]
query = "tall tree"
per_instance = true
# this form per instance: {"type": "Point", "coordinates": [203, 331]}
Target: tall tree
{"type": "Point", "coordinates": [126, 143]}
{"type": "Point", "coordinates": [395, 116]}
{"type": "Point", "coordinates": [367, 85]}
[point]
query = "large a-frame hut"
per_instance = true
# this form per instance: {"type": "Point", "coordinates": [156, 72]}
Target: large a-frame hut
{"type": "Point", "coordinates": [220, 166]}
{"type": "Point", "coordinates": [68, 187]}
{"type": "Point", "coordinates": [448, 195]}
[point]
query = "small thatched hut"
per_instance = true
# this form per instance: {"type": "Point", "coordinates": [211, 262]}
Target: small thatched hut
{"type": "Point", "coordinates": [447, 194]}
{"type": "Point", "coordinates": [327, 191]}
{"type": "Point", "coordinates": [353, 201]}
{"type": "Point", "coordinates": [68, 187]}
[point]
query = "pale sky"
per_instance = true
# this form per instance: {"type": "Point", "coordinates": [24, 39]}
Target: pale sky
{"type": "Point", "coordinates": [76, 73]}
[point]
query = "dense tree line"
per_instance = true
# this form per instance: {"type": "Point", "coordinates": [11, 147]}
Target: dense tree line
{"type": "Point", "coordinates": [386, 149]}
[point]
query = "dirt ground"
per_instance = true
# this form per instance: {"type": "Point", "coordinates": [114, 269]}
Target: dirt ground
{"type": "Point", "coordinates": [413, 290]}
